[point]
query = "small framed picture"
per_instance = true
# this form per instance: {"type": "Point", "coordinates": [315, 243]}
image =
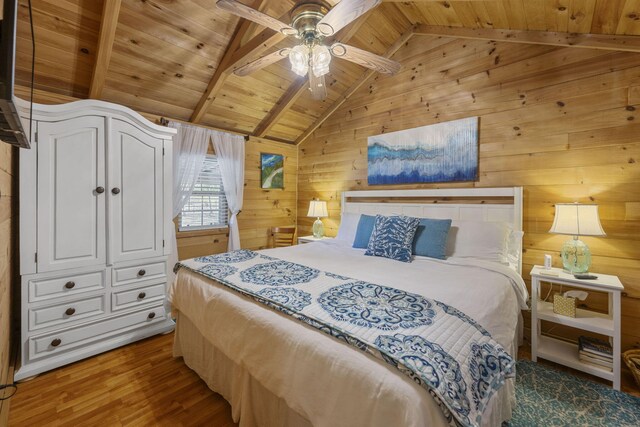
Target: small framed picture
{"type": "Point", "coordinates": [271, 171]}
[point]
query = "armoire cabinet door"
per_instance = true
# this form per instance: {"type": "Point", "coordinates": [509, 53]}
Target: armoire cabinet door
{"type": "Point", "coordinates": [135, 193]}
{"type": "Point", "coordinates": [71, 193]}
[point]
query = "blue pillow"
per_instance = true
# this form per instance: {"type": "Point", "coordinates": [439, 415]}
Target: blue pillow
{"type": "Point", "coordinates": [392, 237]}
{"type": "Point", "coordinates": [431, 238]}
{"type": "Point", "coordinates": [363, 232]}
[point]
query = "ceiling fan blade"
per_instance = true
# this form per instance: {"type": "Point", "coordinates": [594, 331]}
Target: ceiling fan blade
{"type": "Point", "coordinates": [254, 15]}
{"type": "Point", "coordinates": [364, 58]}
{"type": "Point", "coordinates": [317, 86]}
{"type": "Point", "coordinates": [261, 62]}
{"type": "Point", "coordinates": [344, 13]}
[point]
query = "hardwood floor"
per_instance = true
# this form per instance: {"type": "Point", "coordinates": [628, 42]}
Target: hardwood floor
{"type": "Point", "coordinates": [141, 384]}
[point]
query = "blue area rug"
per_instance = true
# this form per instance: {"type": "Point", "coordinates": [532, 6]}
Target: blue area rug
{"type": "Point", "coordinates": [548, 397]}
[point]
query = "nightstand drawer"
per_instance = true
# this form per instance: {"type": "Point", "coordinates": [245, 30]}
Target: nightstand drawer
{"type": "Point", "coordinates": [74, 337]}
{"type": "Point", "coordinates": [65, 313]}
{"type": "Point", "coordinates": [139, 296]}
{"type": "Point", "coordinates": [65, 285]}
{"type": "Point", "coordinates": [137, 273]}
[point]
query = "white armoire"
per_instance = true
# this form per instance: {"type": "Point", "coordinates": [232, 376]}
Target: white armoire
{"type": "Point", "coordinates": [95, 221]}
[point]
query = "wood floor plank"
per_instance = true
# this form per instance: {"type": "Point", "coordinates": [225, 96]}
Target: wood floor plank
{"type": "Point", "coordinates": [141, 384]}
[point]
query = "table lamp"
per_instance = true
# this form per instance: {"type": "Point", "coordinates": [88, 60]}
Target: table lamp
{"type": "Point", "coordinates": [576, 220]}
{"type": "Point", "coordinates": [318, 208]}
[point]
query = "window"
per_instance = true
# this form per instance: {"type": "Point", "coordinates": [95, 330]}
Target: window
{"type": "Point", "coordinates": [207, 205]}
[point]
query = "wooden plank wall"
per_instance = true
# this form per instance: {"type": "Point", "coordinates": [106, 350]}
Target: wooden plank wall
{"type": "Point", "coordinates": [561, 122]}
{"type": "Point", "coordinates": [8, 259]}
{"type": "Point", "coordinates": [262, 209]}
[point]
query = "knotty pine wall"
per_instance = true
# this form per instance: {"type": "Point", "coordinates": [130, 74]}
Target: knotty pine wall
{"type": "Point", "coordinates": [561, 122]}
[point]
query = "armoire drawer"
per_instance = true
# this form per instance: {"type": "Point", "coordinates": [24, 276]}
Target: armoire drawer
{"type": "Point", "coordinates": [66, 313]}
{"type": "Point", "coordinates": [42, 289]}
{"type": "Point", "coordinates": [132, 297]}
{"type": "Point", "coordinates": [68, 339]}
{"type": "Point", "coordinates": [139, 272]}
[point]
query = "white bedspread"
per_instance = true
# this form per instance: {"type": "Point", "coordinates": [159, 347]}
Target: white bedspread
{"type": "Point", "coordinates": [328, 382]}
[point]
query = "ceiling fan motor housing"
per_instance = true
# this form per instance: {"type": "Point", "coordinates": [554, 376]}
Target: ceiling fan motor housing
{"type": "Point", "coordinates": [305, 17]}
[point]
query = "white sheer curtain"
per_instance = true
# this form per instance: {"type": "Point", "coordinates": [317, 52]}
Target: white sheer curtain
{"type": "Point", "coordinates": [229, 150]}
{"type": "Point", "coordinates": [189, 150]}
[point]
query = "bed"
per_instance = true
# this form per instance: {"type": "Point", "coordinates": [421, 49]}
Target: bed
{"type": "Point", "coordinates": [278, 371]}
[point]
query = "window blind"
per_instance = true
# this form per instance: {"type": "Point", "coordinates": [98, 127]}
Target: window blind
{"type": "Point", "coordinates": [207, 205]}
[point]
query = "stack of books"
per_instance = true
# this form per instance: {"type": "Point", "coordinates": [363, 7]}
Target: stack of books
{"type": "Point", "coordinates": [595, 352]}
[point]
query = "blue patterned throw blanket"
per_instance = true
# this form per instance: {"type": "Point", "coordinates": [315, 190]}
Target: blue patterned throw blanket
{"type": "Point", "coordinates": [439, 347]}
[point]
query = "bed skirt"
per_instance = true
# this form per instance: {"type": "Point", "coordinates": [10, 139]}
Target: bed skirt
{"type": "Point", "coordinates": [252, 405]}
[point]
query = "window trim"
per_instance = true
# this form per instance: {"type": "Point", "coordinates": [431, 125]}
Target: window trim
{"type": "Point", "coordinates": [222, 230]}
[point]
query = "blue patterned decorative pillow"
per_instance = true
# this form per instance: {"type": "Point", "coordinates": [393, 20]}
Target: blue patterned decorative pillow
{"type": "Point", "coordinates": [392, 237]}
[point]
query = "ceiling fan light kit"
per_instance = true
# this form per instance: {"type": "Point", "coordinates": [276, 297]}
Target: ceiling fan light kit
{"type": "Point", "coordinates": [320, 60]}
{"type": "Point", "coordinates": [312, 21]}
{"type": "Point", "coordinates": [299, 59]}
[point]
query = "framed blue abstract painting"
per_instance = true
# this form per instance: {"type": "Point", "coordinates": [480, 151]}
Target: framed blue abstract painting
{"type": "Point", "coordinates": [444, 152]}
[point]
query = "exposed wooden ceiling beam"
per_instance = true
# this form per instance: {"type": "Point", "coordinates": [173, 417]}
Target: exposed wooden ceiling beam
{"type": "Point", "coordinates": [588, 41]}
{"type": "Point", "coordinates": [300, 86]}
{"type": "Point", "coordinates": [232, 58]}
{"type": "Point", "coordinates": [221, 73]}
{"type": "Point", "coordinates": [297, 88]}
{"type": "Point", "coordinates": [357, 85]}
{"type": "Point", "coordinates": [110, 12]}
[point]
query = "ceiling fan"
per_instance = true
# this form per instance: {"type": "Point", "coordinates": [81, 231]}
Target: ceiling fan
{"type": "Point", "coordinates": [312, 21]}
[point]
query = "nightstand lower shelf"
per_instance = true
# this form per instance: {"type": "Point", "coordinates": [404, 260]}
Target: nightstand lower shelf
{"type": "Point", "coordinates": [566, 353]}
{"type": "Point", "coordinates": [585, 319]}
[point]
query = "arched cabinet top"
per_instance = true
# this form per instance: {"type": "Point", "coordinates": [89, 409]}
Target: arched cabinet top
{"type": "Point", "coordinates": [88, 107]}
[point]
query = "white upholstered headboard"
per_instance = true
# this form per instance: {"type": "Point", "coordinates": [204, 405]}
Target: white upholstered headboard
{"type": "Point", "coordinates": [503, 204]}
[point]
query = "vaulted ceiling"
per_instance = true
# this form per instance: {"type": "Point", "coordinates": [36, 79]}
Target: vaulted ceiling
{"type": "Point", "coordinates": [175, 57]}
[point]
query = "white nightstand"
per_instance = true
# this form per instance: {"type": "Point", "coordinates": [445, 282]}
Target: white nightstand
{"type": "Point", "coordinates": [309, 239]}
{"type": "Point", "coordinates": [564, 352]}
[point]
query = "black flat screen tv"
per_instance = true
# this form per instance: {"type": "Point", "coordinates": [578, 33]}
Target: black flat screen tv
{"type": "Point", "coordinates": [11, 130]}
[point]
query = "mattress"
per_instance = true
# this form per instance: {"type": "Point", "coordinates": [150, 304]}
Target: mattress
{"type": "Point", "coordinates": [327, 382]}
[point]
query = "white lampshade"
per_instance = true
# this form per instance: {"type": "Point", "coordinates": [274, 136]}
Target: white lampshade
{"type": "Point", "coordinates": [318, 209]}
{"type": "Point", "coordinates": [577, 220]}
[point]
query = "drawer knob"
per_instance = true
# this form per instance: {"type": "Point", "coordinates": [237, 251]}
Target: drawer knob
{"type": "Point", "coordinates": [115, 190]}
{"type": "Point", "coordinates": [100, 190]}
{"type": "Point", "coordinates": [142, 272]}
{"type": "Point", "coordinates": [70, 285]}
{"type": "Point", "coordinates": [151, 315]}
{"type": "Point", "coordinates": [70, 311]}
{"type": "Point", "coordinates": [56, 342]}
{"type": "Point", "coordinates": [141, 295]}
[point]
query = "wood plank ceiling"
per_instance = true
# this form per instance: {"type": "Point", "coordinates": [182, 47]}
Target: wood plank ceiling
{"type": "Point", "coordinates": [174, 57]}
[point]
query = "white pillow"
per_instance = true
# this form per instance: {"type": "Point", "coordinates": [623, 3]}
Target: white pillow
{"type": "Point", "coordinates": [484, 240]}
{"type": "Point", "coordinates": [513, 247]}
{"type": "Point", "coordinates": [348, 227]}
